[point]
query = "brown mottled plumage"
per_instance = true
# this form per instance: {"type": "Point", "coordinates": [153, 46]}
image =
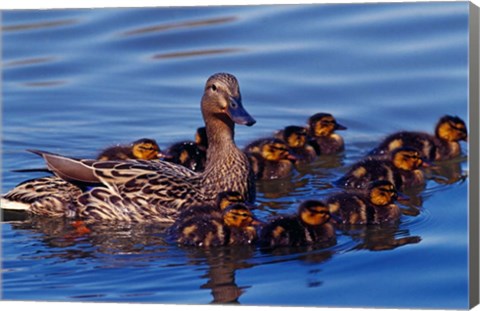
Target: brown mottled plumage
{"type": "Point", "coordinates": [156, 191]}
{"type": "Point", "coordinates": [443, 145]}
{"type": "Point", "coordinates": [372, 206]}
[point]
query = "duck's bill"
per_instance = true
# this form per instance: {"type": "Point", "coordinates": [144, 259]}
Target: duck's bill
{"type": "Point", "coordinates": [340, 127]}
{"type": "Point", "coordinates": [238, 114]}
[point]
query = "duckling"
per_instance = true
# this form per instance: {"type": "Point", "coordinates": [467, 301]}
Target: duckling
{"type": "Point", "coordinates": [443, 145]}
{"type": "Point", "coordinates": [143, 149]}
{"type": "Point", "coordinates": [401, 168]}
{"type": "Point", "coordinates": [187, 154]}
{"type": "Point", "coordinates": [235, 226]}
{"type": "Point", "coordinates": [201, 138]}
{"type": "Point", "coordinates": [321, 128]}
{"type": "Point", "coordinates": [373, 206]}
{"type": "Point", "coordinates": [270, 159]}
{"type": "Point", "coordinates": [224, 199]}
{"type": "Point", "coordinates": [152, 191]}
{"type": "Point", "coordinates": [296, 139]}
{"type": "Point", "coordinates": [310, 226]}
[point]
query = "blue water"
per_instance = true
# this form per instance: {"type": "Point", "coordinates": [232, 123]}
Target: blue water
{"type": "Point", "coordinates": [75, 81]}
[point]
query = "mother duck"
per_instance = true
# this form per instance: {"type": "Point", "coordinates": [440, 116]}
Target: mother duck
{"type": "Point", "coordinates": [140, 191]}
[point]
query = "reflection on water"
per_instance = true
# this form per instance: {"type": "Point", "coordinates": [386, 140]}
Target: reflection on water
{"type": "Point", "coordinates": [38, 26]}
{"type": "Point", "coordinates": [186, 24]}
{"type": "Point", "coordinates": [196, 53]}
{"type": "Point", "coordinates": [93, 78]}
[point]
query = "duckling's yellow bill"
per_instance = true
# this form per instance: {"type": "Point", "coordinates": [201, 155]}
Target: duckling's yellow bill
{"type": "Point", "coordinates": [238, 114]}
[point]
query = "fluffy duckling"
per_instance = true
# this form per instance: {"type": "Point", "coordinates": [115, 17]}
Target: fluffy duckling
{"type": "Point", "coordinates": [401, 168]}
{"type": "Point", "coordinates": [310, 226]}
{"type": "Point", "coordinates": [373, 206]}
{"type": "Point", "coordinates": [187, 154]}
{"type": "Point", "coordinates": [224, 199]}
{"type": "Point", "coordinates": [296, 139]}
{"type": "Point", "coordinates": [201, 138]}
{"type": "Point", "coordinates": [322, 127]}
{"type": "Point", "coordinates": [270, 158]}
{"type": "Point", "coordinates": [443, 145]}
{"type": "Point", "coordinates": [142, 149]}
{"type": "Point", "coordinates": [235, 226]}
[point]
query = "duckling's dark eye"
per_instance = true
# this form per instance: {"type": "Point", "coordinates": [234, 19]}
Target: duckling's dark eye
{"type": "Point", "coordinates": [214, 87]}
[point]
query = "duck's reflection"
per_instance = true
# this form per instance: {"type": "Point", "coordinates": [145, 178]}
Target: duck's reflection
{"type": "Point", "coordinates": [223, 263]}
{"type": "Point", "coordinates": [379, 237]}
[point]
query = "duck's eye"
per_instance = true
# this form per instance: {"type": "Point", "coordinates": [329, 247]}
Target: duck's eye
{"type": "Point", "coordinates": [233, 104]}
{"type": "Point", "coordinates": [214, 87]}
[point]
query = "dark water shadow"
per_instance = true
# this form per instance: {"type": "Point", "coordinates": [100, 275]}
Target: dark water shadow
{"type": "Point", "coordinates": [195, 53]}
{"type": "Point", "coordinates": [39, 25]}
{"type": "Point", "coordinates": [179, 25]}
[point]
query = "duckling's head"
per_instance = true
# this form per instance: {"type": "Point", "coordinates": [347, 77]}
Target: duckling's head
{"type": "Point", "coordinates": [451, 129]}
{"type": "Point", "coordinates": [314, 213]}
{"type": "Point", "coordinates": [222, 100]}
{"type": "Point", "coordinates": [239, 216]}
{"type": "Point", "coordinates": [201, 137]}
{"type": "Point", "coordinates": [146, 149]}
{"type": "Point", "coordinates": [382, 192]}
{"type": "Point", "coordinates": [323, 124]}
{"type": "Point", "coordinates": [227, 198]}
{"type": "Point", "coordinates": [275, 150]}
{"type": "Point", "coordinates": [295, 136]}
{"type": "Point", "coordinates": [407, 158]}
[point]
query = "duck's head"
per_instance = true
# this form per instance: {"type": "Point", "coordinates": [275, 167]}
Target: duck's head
{"type": "Point", "coordinates": [201, 137]}
{"type": "Point", "coordinates": [382, 192]}
{"type": "Point", "coordinates": [227, 198]}
{"type": "Point", "coordinates": [295, 136]}
{"type": "Point", "coordinates": [407, 158]}
{"type": "Point", "coordinates": [275, 150]}
{"type": "Point", "coordinates": [239, 215]}
{"type": "Point", "coordinates": [314, 213]}
{"type": "Point", "coordinates": [222, 100]}
{"type": "Point", "coordinates": [451, 128]}
{"type": "Point", "coordinates": [146, 149]}
{"type": "Point", "coordinates": [323, 124]}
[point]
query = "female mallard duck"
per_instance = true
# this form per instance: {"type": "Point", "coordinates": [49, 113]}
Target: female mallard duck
{"type": "Point", "coordinates": [372, 206]}
{"type": "Point", "coordinates": [138, 190]}
{"type": "Point", "coordinates": [142, 149]}
{"type": "Point", "coordinates": [401, 168]}
{"type": "Point", "coordinates": [296, 139]}
{"type": "Point", "coordinates": [234, 226]}
{"type": "Point", "coordinates": [443, 145]}
{"type": "Point", "coordinates": [322, 127]}
{"type": "Point", "coordinates": [270, 159]}
{"type": "Point", "coordinates": [310, 226]}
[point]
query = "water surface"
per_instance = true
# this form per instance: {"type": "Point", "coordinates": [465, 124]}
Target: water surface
{"type": "Point", "coordinates": [75, 81]}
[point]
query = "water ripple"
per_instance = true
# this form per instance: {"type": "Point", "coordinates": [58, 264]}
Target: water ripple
{"type": "Point", "coordinates": [40, 25]}
{"type": "Point", "coordinates": [187, 24]}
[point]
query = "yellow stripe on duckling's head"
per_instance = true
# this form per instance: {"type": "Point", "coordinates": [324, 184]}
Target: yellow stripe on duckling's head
{"type": "Point", "coordinates": [323, 124]}
{"type": "Point", "coordinates": [382, 192]}
{"type": "Point", "coordinates": [451, 128]}
{"type": "Point", "coordinates": [227, 198]}
{"type": "Point", "coordinates": [314, 213]}
{"type": "Point", "coordinates": [295, 136]}
{"type": "Point", "coordinates": [407, 158]}
{"type": "Point", "coordinates": [145, 149]}
{"type": "Point", "coordinates": [238, 215]}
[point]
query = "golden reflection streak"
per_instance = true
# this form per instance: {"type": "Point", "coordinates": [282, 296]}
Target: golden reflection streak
{"type": "Point", "coordinates": [191, 24]}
